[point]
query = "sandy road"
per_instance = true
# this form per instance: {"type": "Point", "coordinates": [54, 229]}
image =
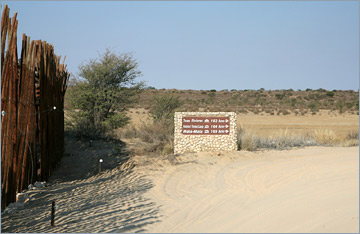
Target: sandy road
{"type": "Point", "coordinates": [314, 189]}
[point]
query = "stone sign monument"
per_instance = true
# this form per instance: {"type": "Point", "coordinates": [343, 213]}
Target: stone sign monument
{"type": "Point", "coordinates": [205, 131]}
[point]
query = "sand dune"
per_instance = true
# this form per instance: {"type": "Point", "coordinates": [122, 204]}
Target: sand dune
{"type": "Point", "coordinates": [313, 189]}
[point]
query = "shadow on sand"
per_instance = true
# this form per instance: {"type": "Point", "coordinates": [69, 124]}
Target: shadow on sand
{"type": "Point", "coordinates": [88, 201]}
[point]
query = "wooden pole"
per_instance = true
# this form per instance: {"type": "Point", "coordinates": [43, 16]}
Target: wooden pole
{"type": "Point", "coordinates": [53, 214]}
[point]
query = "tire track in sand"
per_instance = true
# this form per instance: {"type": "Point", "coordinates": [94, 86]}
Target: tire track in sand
{"type": "Point", "coordinates": [305, 190]}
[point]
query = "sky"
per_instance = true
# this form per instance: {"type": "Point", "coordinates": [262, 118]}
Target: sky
{"type": "Point", "coordinates": [206, 45]}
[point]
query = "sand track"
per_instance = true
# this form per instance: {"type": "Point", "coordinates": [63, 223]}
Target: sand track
{"type": "Point", "coordinates": [313, 189]}
{"type": "Point", "coordinates": [306, 190]}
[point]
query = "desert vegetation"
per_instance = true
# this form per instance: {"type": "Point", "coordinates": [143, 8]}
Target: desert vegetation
{"type": "Point", "coordinates": [285, 139]}
{"type": "Point", "coordinates": [269, 102]}
{"type": "Point", "coordinates": [157, 135]}
{"type": "Point", "coordinates": [107, 101]}
{"type": "Point", "coordinates": [100, 95]}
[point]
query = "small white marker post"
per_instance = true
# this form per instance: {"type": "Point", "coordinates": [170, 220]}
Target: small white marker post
{"type": "Point", "coordinates": [100, 162]}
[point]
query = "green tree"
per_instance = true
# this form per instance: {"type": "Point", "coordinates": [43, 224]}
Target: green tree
{"type": "Point", "coordinates": [104, 91]}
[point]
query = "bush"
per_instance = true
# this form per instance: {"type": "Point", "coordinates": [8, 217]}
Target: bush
{"type": "Point", "coordinates": [164, 107]}
{"type": "Point", "coordinates": [325, 137]}
{"type": "Point", "coordinates": [158, 136]}
{"type": "Point", "coordinates": [245, 140]}
{"type": "Point", "coordinates": [321, 90]}
{"type": "Point", "coordinates": [313, 106]}
{"type": "Point", "coordinates": [106, 88]}
{"type": "Point", "coordinates": [280, 96]}
{"type": "Point", "coordinates": [211, 95]}
{"type": "Point", "coordinates": [353, 135]}
{"type": "Point", "coordinates": [330, 94]}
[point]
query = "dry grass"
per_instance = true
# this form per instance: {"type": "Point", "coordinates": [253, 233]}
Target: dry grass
{"type": "Point", "coordinates": [267, 124]}
{"type": "Point", "coordinates": [353, 135]}
{"type": "Point", "coordinates": [156, 137]}
{"type": "Point", "coordinates": [281, 139]}
{"type": "Point", "coordinates": [352, 139]}
{"type": "Point", "coordinates": [256, 132]}
{"type": "Point", "coordinates": [249, 140]}
{"type": "Point", "coordinates": [325, 137]}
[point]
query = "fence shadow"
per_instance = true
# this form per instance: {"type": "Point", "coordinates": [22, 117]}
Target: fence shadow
{"type": "Point", "coordinates": [110, 201]}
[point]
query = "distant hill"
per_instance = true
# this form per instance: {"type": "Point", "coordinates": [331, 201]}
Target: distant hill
{"type": "Point", "coordinates": [274, 102]}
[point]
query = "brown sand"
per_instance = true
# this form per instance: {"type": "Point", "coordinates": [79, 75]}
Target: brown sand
{"type": "Point", "coordinates": [313, 189]}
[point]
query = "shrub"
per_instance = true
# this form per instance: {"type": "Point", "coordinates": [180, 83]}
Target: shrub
{"type": "Point", "coordinates": [353, 135]}
{"type": "Point", "coordinates": [325, 137]}
{"type": "Point", "coordinates": [313, 106]}
{"type": "Point", "coordinates": [211, 95]}
{"type": "Point", "coordinates": [245, 140]}
{"type": "Point", "coordinates": [349, 105]}
{"type": "Point", "coordinates": [352, 139]}
{"type": "Point", "coordinates": [321, 90]}
{"type": "Point", "coordinates": [157, 137]}
{"type": "Point", "coordinates": [164, 107]}
{"type": "Point", "coordinates": [330, 94]}
{"type": "Point", "coordinates": [103, 93]}
{"type": "Point", "coordinates": [129, 132]}
{"type": "Point", "coordinates": [160, 133]}
{"type": "Point", "coordinates": [280, 96]}
{"type": "Point", "coordinates": [340, 106]}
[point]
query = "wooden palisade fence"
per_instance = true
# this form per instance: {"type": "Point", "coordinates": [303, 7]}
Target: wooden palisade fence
{"type": "Point", "coordinates": [32, 117]}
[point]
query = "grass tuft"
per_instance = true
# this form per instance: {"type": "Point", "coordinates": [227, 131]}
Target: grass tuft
{"type": "Point", "coordinates": [325, 137]}
{"type": "Point", "coordinates": [283, 139]}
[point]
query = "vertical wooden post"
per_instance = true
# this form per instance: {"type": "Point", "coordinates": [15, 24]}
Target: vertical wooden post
{"type": "Point", "coordinates": [53, 214]}
{"type": "Point", "coordinates": [26, 121]}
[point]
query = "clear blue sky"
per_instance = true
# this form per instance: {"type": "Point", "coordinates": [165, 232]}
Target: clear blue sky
{"type": "Point", "coordinates": [208, 45]}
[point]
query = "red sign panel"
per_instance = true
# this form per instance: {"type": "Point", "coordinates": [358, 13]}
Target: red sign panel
{"type": "Point", "coordinates": [206, 125]}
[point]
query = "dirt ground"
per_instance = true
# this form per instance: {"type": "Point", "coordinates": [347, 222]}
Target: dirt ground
{"type": "Point", "coordinates": [89, 201]}
{"type": "Point", "coordinates": [314, 189]}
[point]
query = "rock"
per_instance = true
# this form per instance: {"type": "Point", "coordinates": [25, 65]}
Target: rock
{"type": "Point", "coordinates": [22, 197]}
{"type": "Point", "coordinates": [40, 184]}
